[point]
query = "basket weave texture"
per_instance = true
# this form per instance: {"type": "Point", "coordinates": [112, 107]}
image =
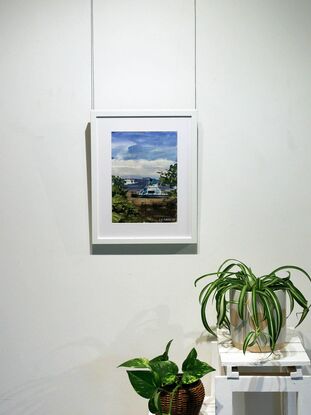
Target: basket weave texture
{"type": "Point", "coordinates": [187, 400]}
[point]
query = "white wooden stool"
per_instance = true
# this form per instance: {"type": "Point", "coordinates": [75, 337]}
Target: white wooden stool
{"type": "Point", "coordinates": [264, 372]}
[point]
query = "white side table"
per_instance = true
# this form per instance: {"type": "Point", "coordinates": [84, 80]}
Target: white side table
{"type": "Point", "coordinates": [264, 372]}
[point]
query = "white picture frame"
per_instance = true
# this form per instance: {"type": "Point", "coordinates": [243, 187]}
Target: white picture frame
{"type": "Point", "coordinates": [106, 128]}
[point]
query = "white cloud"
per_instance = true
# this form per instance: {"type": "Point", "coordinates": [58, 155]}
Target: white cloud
{"type": "Point", "coordinates": [120, 149]}
{"type": "Point", "coordinates": [139, 168]}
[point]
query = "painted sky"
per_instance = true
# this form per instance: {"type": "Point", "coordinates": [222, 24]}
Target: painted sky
{"type": "Point", "coordinates": [143, 153]}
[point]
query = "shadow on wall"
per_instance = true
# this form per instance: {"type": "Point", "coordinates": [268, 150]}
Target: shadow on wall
{"type": "Point", "coordinates": [95, 383]}
{"type": "Point", "coordinates": [126, 249]}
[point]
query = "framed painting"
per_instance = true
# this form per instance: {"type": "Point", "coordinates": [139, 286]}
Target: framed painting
{"type": "Point", "coordinates": [144, 177]}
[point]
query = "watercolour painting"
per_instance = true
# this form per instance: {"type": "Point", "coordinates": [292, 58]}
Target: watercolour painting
{"type": "Point", "coordinates": [144, 176]}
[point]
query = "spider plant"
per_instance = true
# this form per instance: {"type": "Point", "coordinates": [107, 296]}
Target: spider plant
{"type": "Point", "coordinates": [235, 275]}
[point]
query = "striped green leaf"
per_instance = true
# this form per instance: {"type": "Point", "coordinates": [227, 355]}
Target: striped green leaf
{"type": "Point", "coordinates": [241, 302]}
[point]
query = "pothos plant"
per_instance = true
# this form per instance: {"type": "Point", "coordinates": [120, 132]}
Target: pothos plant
{"type": "Point", "coordinates": [235, 275]}
{"type": "Point", "coordinates": [155, 375]}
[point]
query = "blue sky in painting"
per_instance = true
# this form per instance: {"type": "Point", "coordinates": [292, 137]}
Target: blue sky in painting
{"type": "Point", "coordinates": [144, 145]}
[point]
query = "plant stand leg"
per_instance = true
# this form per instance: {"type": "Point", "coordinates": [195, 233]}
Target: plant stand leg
{"type": "Point", "coordinates": [223, 396]}
{"type": "Point", "coordinates": [289, 403]}
{"type": "Point", "coordinates": [304, 396]}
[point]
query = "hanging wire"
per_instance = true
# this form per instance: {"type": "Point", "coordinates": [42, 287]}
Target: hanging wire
{"type": "Point", "coordinates": [93, 63]}
{"type": "Point", "coordinates": [195, 54]}
{"type": "Point", "coordinates": [92, 57]}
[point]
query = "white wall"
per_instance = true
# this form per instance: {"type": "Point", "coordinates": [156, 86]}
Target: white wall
{"type": "Point", "coordinates": [144, 54]}
{"type": "Point", "coordinates": [69, 318]}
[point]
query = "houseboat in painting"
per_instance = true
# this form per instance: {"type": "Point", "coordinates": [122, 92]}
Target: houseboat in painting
{"type": "Point", "coordinates": [152, 190]}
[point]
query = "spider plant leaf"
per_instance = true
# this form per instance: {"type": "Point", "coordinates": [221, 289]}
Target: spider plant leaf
{"type": "Point", "coordinates": [208, 289]}
{"type": "Point", "coordinates": [300, 299]}
{"type": "Point", "coordinates": [206, 325]}
{"type": "Point", "coordinates": [203, 291]}
{"type": "Point", "coordinates": [291, 302]}
{"type": "Point", "coordinates": [220, 284]}
{"type": "Point", "coordinates": [226, 323]}
{"type": "Point", "coordinates": [248, 340]}
{"type": "Point", "coordinates": [247, 272]}
{"type": "Point", "coordinates": [221, 310]}
{"type": "Point", "coordinates": [276, 310]}
{"type": "Point", "coordinates": [254, 306]}
{"type": "Point", "coordinates": [271, 281]}
{"type": "Point", "coordinates": [259, 283]}
{"type": "Point", "coordinates": [297, 295]}
{"type": "Point", "coordinates": [226, 270]}
{"type": "Point", "coordinates": [241, 302]}
{"type": "Point", "coordinates": [228, 284]}
{"type": "Point", "coordinates": [269, 317]}
{"type": "Point", "coordinates": [287, 267]}
{"type": "Point", "coordinates": [204, 319]}
{"type": "Point", "coordinates": [234, 262]}
{"type": "Point", "coordinates": [231, 265]}
{"type": "Point", "coordinates": [204, 276]}
{"type": "Point", "coordinates": [288, 276]}
{"type": "Point", "coordinates": [271, 321]}
{"type": "Point", "coordinates": [303, 316]}
{"type": "Point", "coordinates": [221, 303]}
{"type": "Point", "coordinates": [212, 286]}
{"type": "Point", "coordinates": [242, 274]}
{"type": "Point", "coordinates": [209, 275]}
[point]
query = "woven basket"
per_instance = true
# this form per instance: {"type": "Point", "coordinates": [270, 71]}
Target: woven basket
{"type": "Point", "coordinates": [187, 400]}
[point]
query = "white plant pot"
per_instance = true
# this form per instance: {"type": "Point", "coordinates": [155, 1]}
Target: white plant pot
{"type": "Point", "coordinates": [240, 328]}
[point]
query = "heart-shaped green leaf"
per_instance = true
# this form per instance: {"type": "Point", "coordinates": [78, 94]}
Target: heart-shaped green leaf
{"type": "Point", "coordinates": [166, 371]}
{"type": "Point", "coordinates": [190, 359]}
{"type": "Point", "coordinates": [139, 363]}
{"type": "Point", "coordinates": [163, 356]}
{"type": "Point", "coordinates": [154, 404]}
{"type": "Point", "coordinates": [142, 382]}
{"type": "Point", "coordinates": [188, 378]}
{"type": "Point", "coordinates": [196, 371]}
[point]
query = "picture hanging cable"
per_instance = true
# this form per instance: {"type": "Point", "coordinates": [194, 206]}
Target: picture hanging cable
{"type": "Point", "coordinates": [195, 54]}
{"type": "Point", "coordinates": [93, 64]}
{"type": "Point", "coordinates": [92, 57]}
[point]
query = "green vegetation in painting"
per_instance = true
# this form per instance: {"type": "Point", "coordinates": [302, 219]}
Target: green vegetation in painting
{"type": "Point", "coordinates": [122, 209]}
{"type": "Point", "coordinates": [169, 177]}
